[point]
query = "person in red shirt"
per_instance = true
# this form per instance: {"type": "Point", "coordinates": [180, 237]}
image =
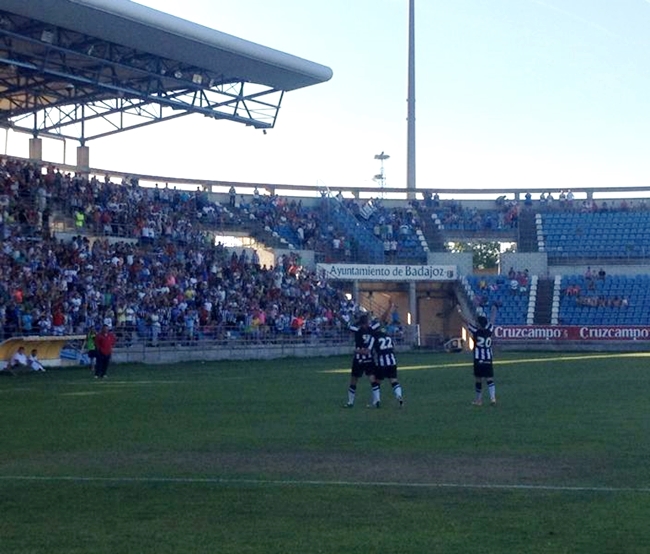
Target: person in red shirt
{"type": "Point", "coordinates": [58, 321]}
{"type": "Point", "coordinates": [104, 343]}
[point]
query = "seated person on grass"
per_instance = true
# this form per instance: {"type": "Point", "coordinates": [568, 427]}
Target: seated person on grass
{"type": "Point", "coordinates": [18, 361]}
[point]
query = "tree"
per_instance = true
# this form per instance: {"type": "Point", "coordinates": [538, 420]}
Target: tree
{"type": "Point", "coordinates": [485, 255]}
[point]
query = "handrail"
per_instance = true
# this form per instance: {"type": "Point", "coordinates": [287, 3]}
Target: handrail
{"type": "Point", "coordinates": [355, 190]}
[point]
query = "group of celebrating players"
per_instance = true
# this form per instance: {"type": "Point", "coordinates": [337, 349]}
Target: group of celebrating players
{"type": "Point", "coordinates": [374, 356]}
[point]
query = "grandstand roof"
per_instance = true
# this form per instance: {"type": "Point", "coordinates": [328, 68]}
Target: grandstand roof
{"type": "Point", "coordinates": [83, 52]}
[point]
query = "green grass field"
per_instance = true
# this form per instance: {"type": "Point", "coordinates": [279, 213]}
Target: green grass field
{"type": "Point", "coordinates": [259, 457]}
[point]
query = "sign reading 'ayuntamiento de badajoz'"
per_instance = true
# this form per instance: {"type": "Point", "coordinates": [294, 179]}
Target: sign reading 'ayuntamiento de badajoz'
{"type": "Point", "coordinates": [374, 272]}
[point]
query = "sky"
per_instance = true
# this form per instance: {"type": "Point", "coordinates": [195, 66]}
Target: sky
{"type": "Point", "coordinates": [509, 93]}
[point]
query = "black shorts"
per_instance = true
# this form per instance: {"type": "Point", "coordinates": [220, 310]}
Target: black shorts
{"type": "Point", "coordinates": [386, 372]}
{"type": "Point", "coordinates": [483, 369]}
{"type": "Point", "coordinates": [359, 368]}
{"type": "Point", "coordinates": [92, 353]}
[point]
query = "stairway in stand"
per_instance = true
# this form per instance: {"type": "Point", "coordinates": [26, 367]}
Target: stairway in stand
{"type": "Point", "coordinates": [435, 239]}
{"type": "Point", "coordinates": [527, 231]}
{"type": "Point", "coordinates": [544, 303]}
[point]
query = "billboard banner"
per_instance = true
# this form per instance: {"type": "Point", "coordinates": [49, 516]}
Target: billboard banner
{"type": "Point", "coordinates": [571, 333]}
{"type": "Point", "coordinates": [373, 272]}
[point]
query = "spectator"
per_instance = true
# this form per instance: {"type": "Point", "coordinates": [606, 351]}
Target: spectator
{"type": "Point", "coordinates": [89, 347]}
{"type": "Point", "coordinates": [522, 280]}
{"type": "Point", "coordinates": [104, 342]}
{"type": "Point", "coordinates": [34, 362]}
{"type": "Point", "coordinates": [19, 360]}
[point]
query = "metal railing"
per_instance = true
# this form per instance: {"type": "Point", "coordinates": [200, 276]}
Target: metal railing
{"type": "Point", "coordinates": [234, 346]}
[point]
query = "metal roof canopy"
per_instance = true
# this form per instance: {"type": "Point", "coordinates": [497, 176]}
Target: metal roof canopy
{"type": "Point", "coordinates": [85, 69]}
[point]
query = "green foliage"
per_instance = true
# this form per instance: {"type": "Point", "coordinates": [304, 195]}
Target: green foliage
{"type": "Point", "coordinates": [485, 254]}
{"type": "Point", "coordinates": [259, 457]}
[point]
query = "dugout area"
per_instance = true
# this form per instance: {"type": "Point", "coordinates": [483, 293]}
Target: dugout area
{"type": "Point", "coordinates": [48, 347]}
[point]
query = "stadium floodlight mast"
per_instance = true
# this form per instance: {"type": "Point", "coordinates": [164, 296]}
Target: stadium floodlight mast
{"type": "Point", "coordinates": [381, 177]}
{"type": "Point", "coordinates": [410, 141]}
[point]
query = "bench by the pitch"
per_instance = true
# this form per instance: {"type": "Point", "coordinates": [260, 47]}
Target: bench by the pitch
{"type": "Point", "coordinates": [49, 347]}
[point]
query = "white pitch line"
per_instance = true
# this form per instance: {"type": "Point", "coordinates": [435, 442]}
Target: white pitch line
{"type": "Point", "coordinates": [518, 361]}
{"type": "Point", "coordinates": [308, 482]}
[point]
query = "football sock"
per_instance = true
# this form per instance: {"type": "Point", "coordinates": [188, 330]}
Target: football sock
{"type": "Point", "coordinates": [491, 389]}
{"type": "Point", "coordinates": [397, 390]}
{"type": "Point", "coordinates": [376, 393]}
{"type": "Point", "coordinates": [352, 391]}
{"type": "Point", "coordinates": [478, 387]}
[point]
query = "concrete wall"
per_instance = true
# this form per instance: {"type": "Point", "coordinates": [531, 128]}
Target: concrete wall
{"type": "Point", "coordinates": [463, 261]}
{"type": "Point", "coordinates": [535, 262]}
{"type": "Point", "coordinates": [213, 352]}
{"type": "Point", "coordinates": [193, 356]}
{"type": "Point", "coordinates": [438, 318]}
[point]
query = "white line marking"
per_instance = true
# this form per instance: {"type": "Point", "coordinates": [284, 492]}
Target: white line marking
{"type": "Point", "coordinates": [293, 483]}
{"type": "Point", "coordinates": [518, 361]}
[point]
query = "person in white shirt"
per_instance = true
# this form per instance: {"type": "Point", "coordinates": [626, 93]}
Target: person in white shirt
{"type": "Point", "coordinates": [34, 362]}
{"type": "Point", "coordinates": [18, 360]}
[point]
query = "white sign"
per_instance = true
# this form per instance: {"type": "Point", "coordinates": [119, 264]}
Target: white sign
{"type": "Point", "coordinates": [373, 272]}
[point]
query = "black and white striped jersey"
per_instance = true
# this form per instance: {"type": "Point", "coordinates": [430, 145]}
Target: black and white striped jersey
{"type": "Point", "coordinates": [482, 341]}
{"type": "Point", "coordinates": [384, 350]}
{"type": "Point", "coordinates": [363, 342]}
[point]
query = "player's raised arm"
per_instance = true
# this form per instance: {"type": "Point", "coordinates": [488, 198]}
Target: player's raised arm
{"type": "Point", "coordinates": [385, 317]}
{"type": "Point", "coordinates": [462, 315]}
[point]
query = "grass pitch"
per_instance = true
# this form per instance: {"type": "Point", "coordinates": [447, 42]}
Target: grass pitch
{"type": "Point", "coordinates": [259, 457]}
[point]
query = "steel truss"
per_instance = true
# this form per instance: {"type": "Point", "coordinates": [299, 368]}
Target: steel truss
{"type": "Point", "coordinates": [55, 81]}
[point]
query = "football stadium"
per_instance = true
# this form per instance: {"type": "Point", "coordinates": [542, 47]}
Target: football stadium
{"type": "Point", "coordinates": [182, 360]}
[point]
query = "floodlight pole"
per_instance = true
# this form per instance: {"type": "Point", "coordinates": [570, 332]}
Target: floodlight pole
{"type": "Point", "coordinates": [410, 142]}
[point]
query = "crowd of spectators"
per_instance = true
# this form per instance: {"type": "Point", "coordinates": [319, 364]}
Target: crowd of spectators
{"type": "Point", "coordinates": [170, 292]}
{"type": "Point", "coordinates": [296, 226]}
{"type": "Point", "coordinates": [602, 301]}
{"type": "Point", "coordinates": [286, 217]}
{"type": "Point", "coordinates": [566, 201]}
{"type": "Point", "coordinates": [396, 228]}
{"type": "Point", "coordinates": [143, 263]}
{"type": "Point", "coordinates": [314, 227]}
{"type": "Point", "coordinates": [590, 296]}
{"type": "Point", "coordinates": [144, 260]}
{"type": "Point", "coordinates": [496, 288]}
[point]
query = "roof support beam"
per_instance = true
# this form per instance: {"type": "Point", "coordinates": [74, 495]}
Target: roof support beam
{"type": "Point", "coordinates": [44, 86]}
